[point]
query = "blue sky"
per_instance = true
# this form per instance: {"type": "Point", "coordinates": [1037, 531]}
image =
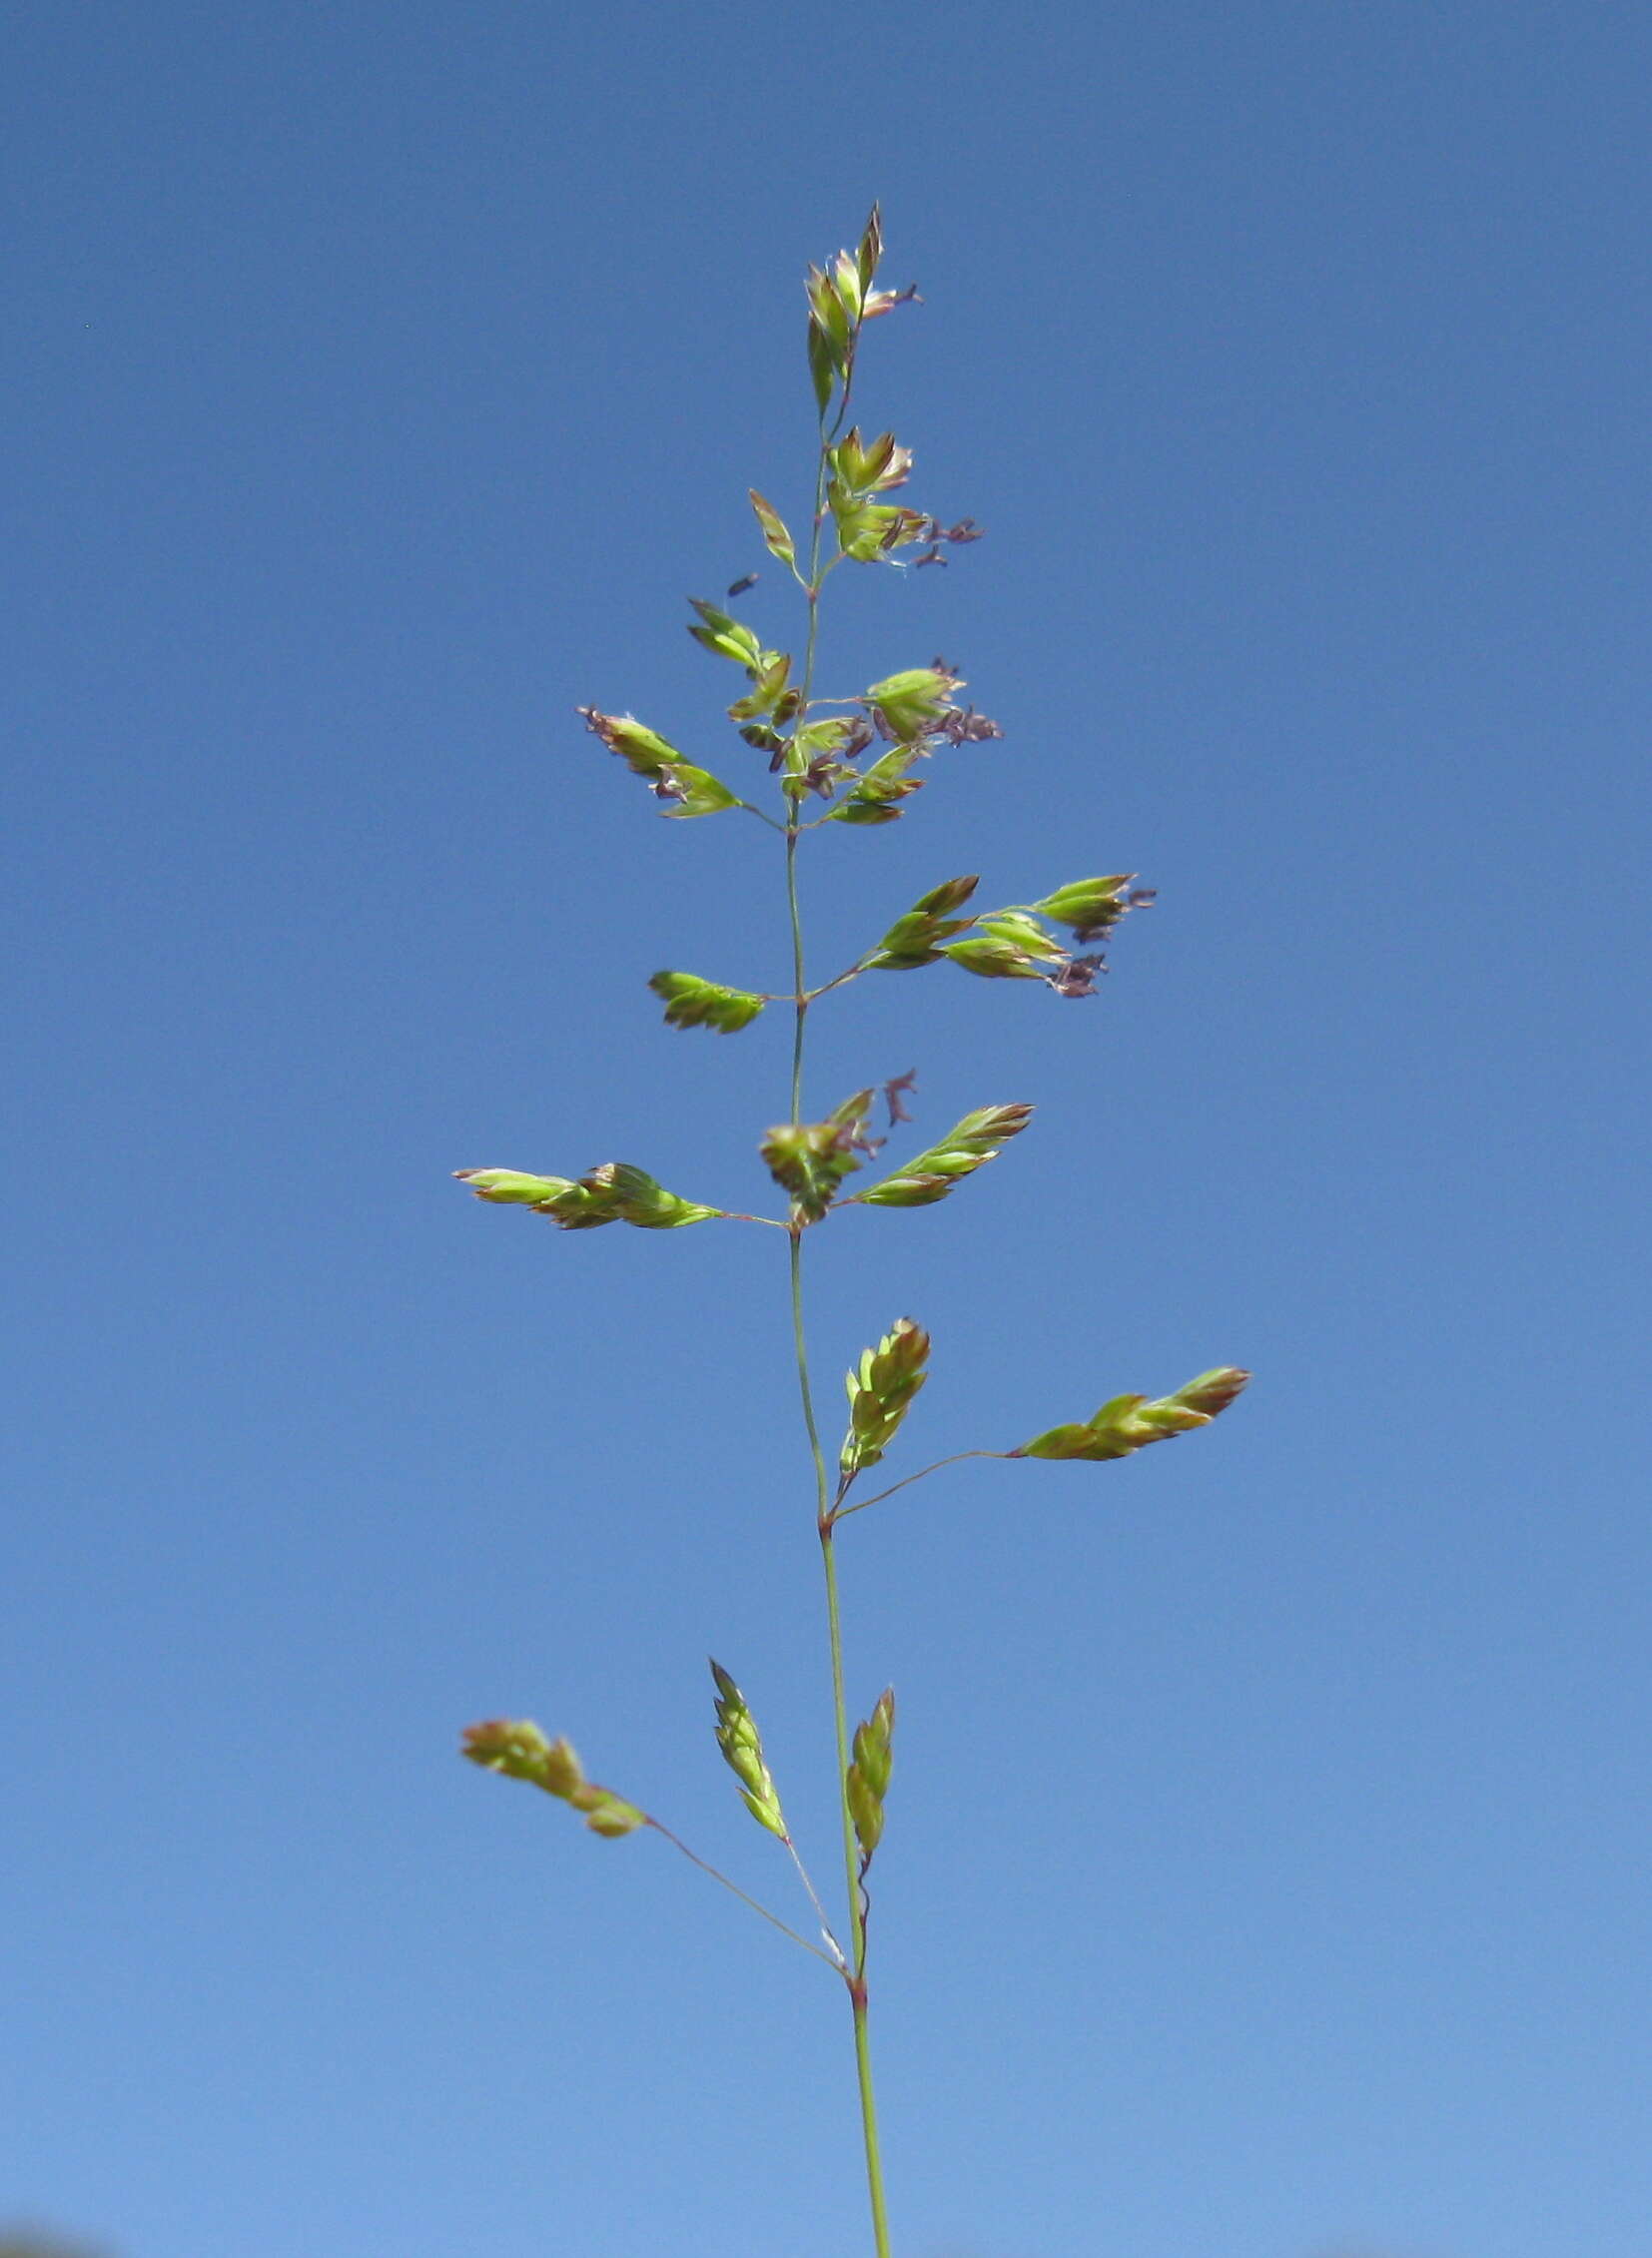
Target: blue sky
{"type": "Point", "coordinates": [1266, 1862]}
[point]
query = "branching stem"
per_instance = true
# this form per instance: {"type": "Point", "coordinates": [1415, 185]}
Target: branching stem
{"type": "Point", "coordinates": [773, 1920]}
{"type": "Point", "coordinates": [826, 1929]}
{"type": "Point", "coordinates": [855, 1973]}
{"type": "Point", "coordinates": [854, 972]}
{"type": "Point", "coordinates": [841, 1512]}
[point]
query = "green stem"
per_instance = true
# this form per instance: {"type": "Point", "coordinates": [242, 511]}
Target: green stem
{"type": "Point", "coordinates": [851, 1866]}
{"type": "Point", "coordinates": [854, 1975]}
{"type": "Point", "coordinates": [851, 1852]}
{"type": "Point", "coordinates": [800, 999]}
{"type": "Point", "coordinates": [869, 2122]}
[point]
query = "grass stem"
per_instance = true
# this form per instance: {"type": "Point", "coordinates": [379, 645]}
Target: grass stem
{"type": "Point", "coordinates": [855, 1973]}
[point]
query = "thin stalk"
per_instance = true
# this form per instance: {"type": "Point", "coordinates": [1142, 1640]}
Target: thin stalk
{"type": "Point", "coordinates": [854, 972]}
{"type": "Point", "coordinates": [705, 1867]}
{"type": "Point", "coordinates": [854, 1975]}
{"type": "Point", "coordinates": [860, 1505]}
{"type": "Point", "coordinates": [804, 1876]}
{"type": "Point", "coordinates": [869, 2121]}
{"type": "Point", "coordinates": [851, 1854]}
{"type": "Point", "coordinates": [800, 999]}
{"type": "Point", "coordinates": [834, 1625]}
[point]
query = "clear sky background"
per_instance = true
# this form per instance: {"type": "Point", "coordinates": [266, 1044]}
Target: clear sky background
{"type": "Point", "coordinates": [1266, 1869]}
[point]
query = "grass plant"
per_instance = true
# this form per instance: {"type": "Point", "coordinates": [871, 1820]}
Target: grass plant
{"type": "Point", "coordinates": [857, 762]}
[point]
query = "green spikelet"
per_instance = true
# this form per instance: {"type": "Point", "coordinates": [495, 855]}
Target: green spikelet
{"type": "Point", "coordinates": [692, 1002]}
{"type": "Point", "coordinates": [876, 798]}
{"type": "Point", "coordinates": [914, 938]}
{"type": "Point", "coordinates": [742, 1747]}
{"type": "Point", "coordinates": [995, 955]}
{"type": "Point", "coordinates": [911, 704]}
{"type": "Point", "coordinates": [613, 1193]}
{"type": "Point", "coordinates": [729, 638]}
{"type": "Point", "coordinates": [510, 1187]}
{"type": "Point", "coordinates": [693, 791]}
{"type": "Point", "coordinates": [811, 1159]}
{"type": "Point", "coordinates": [1128, 1423]}
{"type": "Point", "coordinates": [1092, 907]}
{"type": "Point", "coordinates": [867, 1778]}
{"type": "Point", "coordinates": [775, 534]}
{"type": "Point", "coordinates": [976, 1141]}
{"type": "Point", "coordinates": [881, 1390]}
{"type": "Point", "coordinates": [515, 1748]}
